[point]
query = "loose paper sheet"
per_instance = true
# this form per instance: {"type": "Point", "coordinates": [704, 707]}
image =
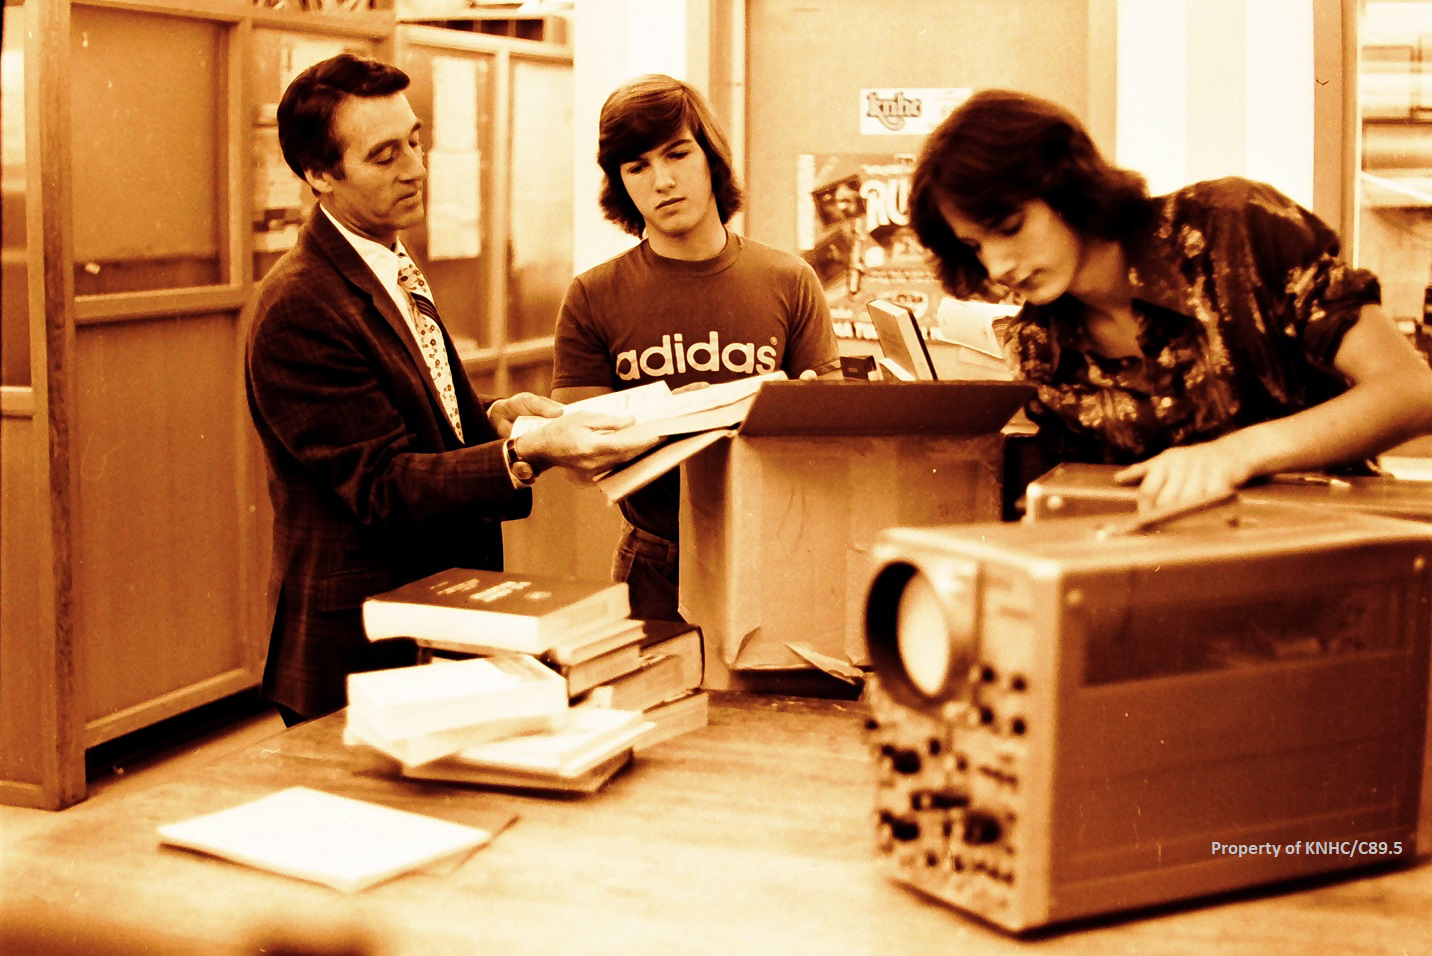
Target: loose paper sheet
{"type": "Point", "coordinates": [308, 834]}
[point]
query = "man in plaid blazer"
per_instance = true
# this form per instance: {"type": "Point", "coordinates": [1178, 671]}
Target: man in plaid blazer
{"type": "Point", "coordinates": [384, 465]}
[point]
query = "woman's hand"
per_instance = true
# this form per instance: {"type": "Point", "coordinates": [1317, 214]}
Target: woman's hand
{"type": "Point", "coordinates": [1190, 473]}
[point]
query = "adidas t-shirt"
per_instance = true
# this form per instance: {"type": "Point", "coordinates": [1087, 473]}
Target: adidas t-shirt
{"type": "Point", "coordinates": [641, 317]}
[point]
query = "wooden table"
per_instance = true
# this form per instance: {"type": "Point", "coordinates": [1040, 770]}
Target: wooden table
{"type": "Point", "coordinates": [751, 836]}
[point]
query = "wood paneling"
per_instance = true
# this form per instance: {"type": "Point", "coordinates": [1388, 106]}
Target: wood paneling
{"type": "Point", "coordinates": [26, 670]}
{"type": "Point", "coordinates": [147, 180]}
{"type": "Point", "coordinates": [160, 585]}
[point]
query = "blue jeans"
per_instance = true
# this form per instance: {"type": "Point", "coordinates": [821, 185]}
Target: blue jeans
{"type": "Point", "coordinates": [648, 564]}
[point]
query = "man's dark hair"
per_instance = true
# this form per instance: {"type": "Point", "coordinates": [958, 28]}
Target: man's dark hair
{"type": "Point", "coordinates": [305, 114]}
{"type": "Point", "coordinates": [1000, 149]}
{"type": "Point", "coordinates": [640, 116]}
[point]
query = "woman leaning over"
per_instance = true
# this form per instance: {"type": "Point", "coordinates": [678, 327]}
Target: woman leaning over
{"type": "Point", "coordinates": [1202, 339]}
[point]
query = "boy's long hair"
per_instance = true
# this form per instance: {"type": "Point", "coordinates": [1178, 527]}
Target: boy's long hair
{"type": "Point", "coordinates": [306, 111]}
{"type": "Point", "coordinates": [1000, 149]}
{"type": "Point", "coordinates": [640, 116]}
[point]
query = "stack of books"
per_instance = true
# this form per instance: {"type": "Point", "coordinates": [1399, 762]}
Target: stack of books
{"type": "Point", "coordinates": [664, 683]}
{"type": "Point", "coordinates": [418, 714]}
{"type": "Point", "coordinates": [558, 685]}
{"type": "Point", "coordinates": [480, 612]}
{"type": "Point", "coordinates": [593, 744]}
{"type": "Point", "coordinates": [500, 720]}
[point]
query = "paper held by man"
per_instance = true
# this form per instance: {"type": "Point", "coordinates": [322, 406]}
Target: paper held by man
{"type": "Point", "coordinates": [661, 412]}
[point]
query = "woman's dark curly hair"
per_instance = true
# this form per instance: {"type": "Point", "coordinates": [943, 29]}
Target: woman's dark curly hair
{"type": "Point", "coordinates": [640, 116]}
{"type": "Point", "coordinates": [1000, 149]}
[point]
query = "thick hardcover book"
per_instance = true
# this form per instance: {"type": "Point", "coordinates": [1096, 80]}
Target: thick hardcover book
{"type": "Point", "coordinates": [579, 647]}
{"type": "Point", "coordinates": [675, 716]}
{"type": "Point", "coordinates": [486, 610]}
{"type": "Point", "coordinates": [660, 676]}
{"type": "Point", "coordinates": [309, 834]}
{"type": "Point", "coordinates": [404, 702]}
{"type": "Point", "coordinates": [602, 668]}
{"type": "Point", "coordinates": [680, 640]}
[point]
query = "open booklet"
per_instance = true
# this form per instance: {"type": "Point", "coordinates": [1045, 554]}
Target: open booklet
{"type": "Point", "coordinates": [973, 324]}
{"type": "Point", "coordinates": [661, 412]}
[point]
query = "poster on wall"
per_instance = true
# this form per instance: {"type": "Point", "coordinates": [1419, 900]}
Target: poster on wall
{"type": "Point", "coordinates": [854, 230]}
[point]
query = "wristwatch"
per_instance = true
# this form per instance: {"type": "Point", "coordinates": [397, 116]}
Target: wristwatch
{"type": "Point", "coordinates": [521, 471]}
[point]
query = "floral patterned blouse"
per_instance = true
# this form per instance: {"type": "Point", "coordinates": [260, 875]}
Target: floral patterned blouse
{"type": "Point", "coordinates": [1242, 303]}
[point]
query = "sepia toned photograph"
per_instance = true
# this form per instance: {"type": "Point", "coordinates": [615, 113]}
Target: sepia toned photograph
{"type": "Point", "coordinates": [715, 477]}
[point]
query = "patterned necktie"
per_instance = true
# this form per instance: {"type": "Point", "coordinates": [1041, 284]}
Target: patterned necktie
{"type": "Point", "coordinates": [430, 336]}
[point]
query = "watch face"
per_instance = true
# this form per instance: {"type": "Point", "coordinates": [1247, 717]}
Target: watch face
{"type": "Point", "coordinates": [520, 469]}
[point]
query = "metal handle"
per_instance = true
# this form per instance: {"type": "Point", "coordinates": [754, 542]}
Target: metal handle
{"type": "Point", "coordinates": [1152, 520]}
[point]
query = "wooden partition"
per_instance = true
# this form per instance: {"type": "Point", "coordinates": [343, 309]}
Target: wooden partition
{"type": "Point", "coordinates": [135, 522]}
{"type": "Point", "coordinates": [41, 743]}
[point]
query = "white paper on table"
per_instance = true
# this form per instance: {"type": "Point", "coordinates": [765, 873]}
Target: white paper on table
{"type": "Point", "coordinates": [309, 834]}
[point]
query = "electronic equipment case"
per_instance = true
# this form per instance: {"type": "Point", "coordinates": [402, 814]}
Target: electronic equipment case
{"type": "Point", "coordinates": [1127, 712]}
{"type": "Point", "coordinates": [1075, 490]}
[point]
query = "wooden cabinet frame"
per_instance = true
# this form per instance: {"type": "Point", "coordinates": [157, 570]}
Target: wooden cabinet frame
{"type": "Point", "coordinates": [50, 649]}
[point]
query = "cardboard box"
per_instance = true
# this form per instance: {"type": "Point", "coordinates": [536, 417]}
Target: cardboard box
{"type": "Point", "coordinates": [777, 521]}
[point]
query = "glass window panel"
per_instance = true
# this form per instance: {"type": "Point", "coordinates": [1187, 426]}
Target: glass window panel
{"type": "Point", "coordinates": [1394, 189]}
{"type": "Point", "coordinates": [14, 282]}
{"type": "Point", "coordinates": [452, 92]}
{"type": "Point", "coordinates": [148, 147]}
{"type": "Point", "coordinates": [281, 201]}
{"type": "Point", "coordinates": [541, 225]}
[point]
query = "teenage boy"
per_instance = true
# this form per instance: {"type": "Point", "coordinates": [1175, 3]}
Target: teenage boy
{"type": "Point", "coordinates": [692, 302]}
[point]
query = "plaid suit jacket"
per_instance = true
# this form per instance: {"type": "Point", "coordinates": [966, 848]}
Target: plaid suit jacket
{"type": "Point", "coordinates": [371, 487]}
